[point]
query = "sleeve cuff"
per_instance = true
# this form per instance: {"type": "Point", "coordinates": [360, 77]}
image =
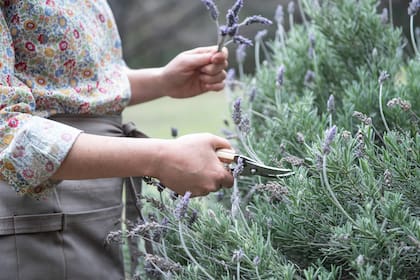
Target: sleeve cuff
{"type": "Point", "coordinates": [35, 153]}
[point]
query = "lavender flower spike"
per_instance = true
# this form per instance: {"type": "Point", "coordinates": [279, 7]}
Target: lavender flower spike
{"type": "Point", "coordinates": [236, 8]}
{"type": "Point", "coordinates": [211, 6]}
{"type": "Point", "coordinates": [329, 137]}
{"type": "Point", "coordinates": [413, 7]}
{"type": "Point", "coordinates": [309, 77]}
{"type": "Point", "coordinates": [237, 112]}
{"type": "Point", "coordinates": [181, 208]}
{"type": "Point", "coordinates": [331, 104]}
{"type": "Point", "coordinates": [291, 8]}
{"type": "Point", "coordinates": [231, 18]}
{"type": "Point", "coordinates": [241, 54]}
{"type": "Point", "coordinates": [280, 75]}
{"type": "Point", "coordinates": [261, 34]}
{"type": "Point", "coordinates": [238, 39]}
{"type": "Point", "coordinates": [256, 19]}
{"type": "Point", "coordinates": [279, 15]}
{"type": "Point", "coordinates": [383, 77]}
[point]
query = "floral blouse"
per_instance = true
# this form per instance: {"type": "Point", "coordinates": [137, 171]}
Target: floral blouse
{"type": "Point", "coordinates": [56, 56]}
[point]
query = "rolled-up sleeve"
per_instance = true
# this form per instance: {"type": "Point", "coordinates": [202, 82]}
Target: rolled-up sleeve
{"type": "Point", "coordinates": [32, 148]}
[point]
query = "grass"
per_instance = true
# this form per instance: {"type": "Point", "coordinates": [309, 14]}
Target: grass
{"type": "Point", "coordinates": [204, 113]}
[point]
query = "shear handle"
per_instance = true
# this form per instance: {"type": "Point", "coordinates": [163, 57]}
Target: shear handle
{"type": "Point", "coordinates": [227, 155]}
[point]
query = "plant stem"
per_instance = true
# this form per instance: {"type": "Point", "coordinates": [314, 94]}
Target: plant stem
{"type": "Point", "coordinates": [184, 246]}
{"type": "Point", "coordinates": [302, 13]}
{"type": "Point", "coordinates": [257, 55]}
{"type": "Point", "coordinates": [291, 21]}
{"type": "Point", "coordinates": [391, 17]}
{"type": "Point", "coordinates": [258, 274]}
{"type": "Point", "coordinates": [332, 194]}
{"type": "Point", "coordinates": [381, 109]}
{"type": "Point", "coordinates": [241, 71]}
{"type": "Point", "coordinates": [221, 43]}
{"type": "Point", "coordinates": [238, 270]}
{"type": "Point", "coordinates": [413, 39]}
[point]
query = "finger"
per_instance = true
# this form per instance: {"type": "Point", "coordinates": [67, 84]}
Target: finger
{"type": "Point", "coordinates": [226, 181]}
{"type": "Point", "coordinates": [214, 87]}
{"type": "Point", "coordinates": [213, 69]}
{"type": "Point", "coordinates": [201, 50]}
{"type": "Point", "coordinates": [209, 79]}
{"type": "Point", "coordinates": [196, 61]}
{"type": "Point", "coordinates": [220, 143]}
{"type": "Point", "coordinates": [219, 57]}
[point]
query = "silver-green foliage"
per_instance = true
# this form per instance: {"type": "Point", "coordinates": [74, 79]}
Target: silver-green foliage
{"type": "Point", "coordinates": [352, 209]}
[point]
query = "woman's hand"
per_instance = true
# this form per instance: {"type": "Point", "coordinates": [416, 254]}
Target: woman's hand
{"type": "Point", "coordinates": [190, 163]}
{"type": "Point", "coordinates": [194, 72]}
{"type": "Point", "coordinates": [189, 74]}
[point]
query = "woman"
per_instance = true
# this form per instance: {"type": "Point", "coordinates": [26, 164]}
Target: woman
{"type": "Point", "coordinates": [63, 85]}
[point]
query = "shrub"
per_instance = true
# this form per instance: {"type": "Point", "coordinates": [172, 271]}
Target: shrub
{"type": "Point", "coordinates": [336, 99]}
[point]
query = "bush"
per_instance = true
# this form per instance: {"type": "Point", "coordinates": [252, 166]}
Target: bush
{"type": "Point", "coordinates": [337, 99]}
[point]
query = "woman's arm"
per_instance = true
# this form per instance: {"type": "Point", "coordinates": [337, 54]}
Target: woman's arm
{"type": "Point", "coordinates": [188, 163]}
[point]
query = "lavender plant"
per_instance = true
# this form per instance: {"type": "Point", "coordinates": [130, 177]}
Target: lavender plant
{"type": "Point", "coordinates": [345, 118]}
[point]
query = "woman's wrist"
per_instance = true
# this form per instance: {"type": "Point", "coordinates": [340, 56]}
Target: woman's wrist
{"type": "Point", "coordinates": [146, 84]}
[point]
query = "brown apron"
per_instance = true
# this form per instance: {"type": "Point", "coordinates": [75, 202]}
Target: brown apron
{"type": "Point", "coordinates": [63, 236]}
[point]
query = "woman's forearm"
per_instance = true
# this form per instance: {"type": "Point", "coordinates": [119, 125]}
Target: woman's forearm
{"type": "Point", "coordinates": [188, 163]}
{"type": "Point", "coordinates": [95, 156]}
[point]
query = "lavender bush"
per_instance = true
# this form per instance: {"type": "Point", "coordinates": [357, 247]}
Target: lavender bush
{"type": "Point", "coordinates": [337, 99]}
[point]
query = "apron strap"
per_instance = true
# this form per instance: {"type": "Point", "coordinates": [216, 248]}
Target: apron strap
{"type": "Point", "coordinates": [134, 185]}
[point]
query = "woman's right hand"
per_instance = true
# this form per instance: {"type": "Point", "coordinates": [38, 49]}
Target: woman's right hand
{"type": "Point", "coordinates": [190, 163]}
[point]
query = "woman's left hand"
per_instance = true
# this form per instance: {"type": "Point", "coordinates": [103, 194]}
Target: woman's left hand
{"type": "Point", "coordinates": [194, 72]}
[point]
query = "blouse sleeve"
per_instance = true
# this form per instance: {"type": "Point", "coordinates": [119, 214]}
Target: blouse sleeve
{"type": "Point", "coordinates": [32, 148]}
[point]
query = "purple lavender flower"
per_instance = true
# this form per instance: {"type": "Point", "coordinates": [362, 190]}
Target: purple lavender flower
{"type": "Point", "coordinates": [231, 18]}
{"type": "Point", "coordinates": [237, 112]}
{"type": "Point", "coordinates": [253, 94]}
{"type": "Point", "coordinates": [244, 126]}
{"type": "Point", "coordinates": [383, 77]}
{"type": "Point", "coordinates": [291, 8]}
{"type": "Point", "coordinates": [329, 137]}
{"type": "Point", "coordinates": [211, 6]}
{"type": "Point", "coordinates": [181, 208]}
{"type": "Point", "coordinates": [256, 19]}
{"type": "Point", "coordinates": [233, 30]}
{"type": "Point", "coordinates": [223, 30]}
{"type": "Point", "coordinates": [413, 7]}
{"type": "Point", "coordinates": [256, 261]}
{"type": "Point", "coordinates": [311, 51]}
{"type": "Point", "coordinates": [309, 77]}
{"type": "Point", "coordinates": [331, 104]}
{"type": "Point", "coordinates": [238, 255]}
{"type": "Point", "coordinates": [384, 16]}
{"type": "Point", "coordinates": [230, 78]}
{"type": "Point", "coordinates": [236, 8]}
{"type": "Point", "coordinates": [161, 230]}
{"type": "Point", "coordinates": [241, 54]}
{"type": "Point", "coordinates": [280, 75]}
{"type": "Point", "coordinates": [260, 35]}
{"type": "Point", "coordinates": [279, 15]}
{"type": "Point", "coordinates": [239, 168]}
{"type": "Point", "coordinates": [238, 39]}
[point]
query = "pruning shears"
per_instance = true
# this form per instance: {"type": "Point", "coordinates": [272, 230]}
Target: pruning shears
{"type": "Point", "coordinates": [250, 166]}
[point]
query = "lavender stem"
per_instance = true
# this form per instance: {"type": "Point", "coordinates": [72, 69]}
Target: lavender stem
{"type": "Point", "coordinates": [413, 40]}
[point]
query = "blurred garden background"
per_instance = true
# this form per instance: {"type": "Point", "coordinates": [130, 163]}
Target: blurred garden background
{"type": "Point", "coordinates": [154, 31]}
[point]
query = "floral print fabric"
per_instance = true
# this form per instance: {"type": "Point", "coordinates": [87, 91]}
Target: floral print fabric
{"type": "Point", "coordinates": [56, 57]}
